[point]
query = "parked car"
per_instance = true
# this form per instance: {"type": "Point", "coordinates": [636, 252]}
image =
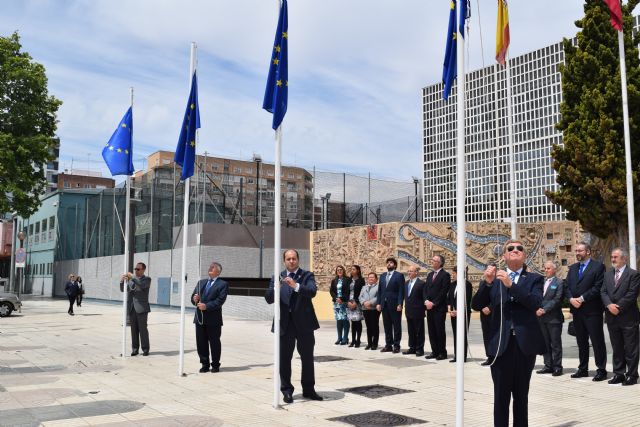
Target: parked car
{"type": "Point", "coordinates": [9, 303]}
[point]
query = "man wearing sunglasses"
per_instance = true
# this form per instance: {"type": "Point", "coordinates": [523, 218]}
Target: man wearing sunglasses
{"type": "Point", "coordinates": [582, 289]}
{"type": "Point", "coordinates": [138, 307]}
{"type": "Point", "coordinates": [513, 295]}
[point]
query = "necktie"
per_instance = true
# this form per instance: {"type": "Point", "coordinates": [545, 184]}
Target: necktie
{"type": "Point", "coordinates": [513, 276]}
{"type": "Point", "coordinates": [411, 285]}
{"type": "Point", "coordinates": [209, 283]}
{"type": "Point", "coordinates": [616, 279]}
{"type": "Point", "coordinates": [582, 266]}
{"type": "Point", "coordinates": [389, 274]}
{"type": "Point", "coordinates": [546, 286]}
{"type": "Point", "coordinates": [433, 278]}
{"type": "Point", "coordinates": [292, 294]}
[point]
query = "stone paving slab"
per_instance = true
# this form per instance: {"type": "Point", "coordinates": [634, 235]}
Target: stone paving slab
{"type": "Point", "coordinates": [58, 370]}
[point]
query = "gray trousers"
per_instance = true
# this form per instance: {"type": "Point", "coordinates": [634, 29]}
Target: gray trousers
{"type": "Point", "coordinates": [139, 331]}
{"type": "Point", "coordinates": [552, 333]}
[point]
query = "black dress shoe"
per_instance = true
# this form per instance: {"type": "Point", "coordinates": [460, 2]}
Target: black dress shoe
{"type": "Point", "coordinates": [617, 379]}
{"type": "Point", "coordinates": [215, 369]}
{"type": "Point", "coordinates": [396, 350]}
{"type": "Point", "coordinates": [441, 357]}
{"type": "Point", "coordinates": [352, 344]}
{"type": "Point", "coordinates": [367, 347]}
{"type": "Point", "coordinates": [452, 360]}
{"type": "Point", "coordinates": [312, 395]}
{"type": "Point", "coordinates": [145, 353]}
{"type": "Point", "coordinates": [337, 342]}
{"type": "Point", "coordinates": [205, 368]}
{"type": "Point", "coordinates": [430, 356]}
{"type": "Point", "coordinates": [557, 372]}
{"type": "Point", "coordinates": [134, 353]}
{"type": "Point", "coordinates": [409, 352]}
{"type": "Point", "coordinates": [545, 371]}
{"type": "Point", "coordinates": [600, 376]}
{"type": "Point", "coordinates": [357, 344]}
{"type": "Point", "coordinates": [487, 362]}
{"type": "Point", "coordinates": [374, 347]}
{"type": "Point", "coordinates": [385, 349]}
{"type": "Point", "coordinates": [287, 397]}
{"type": "Point", "coordinates": [419, 353]}
{"type": "Point", "coordinates": [580, 374]}
{"type": "Point", "coordinates": [630, 381]}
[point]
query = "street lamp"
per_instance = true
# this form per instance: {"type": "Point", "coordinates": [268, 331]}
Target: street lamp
{"type": "Point", "coordinates": [326, 214]}
{"type": "Point", "coordinates": [21, 237]}
{"type": "Point", "coordinates": [258, 159]}
{"type": "Point", "coordinates": [415, 183]}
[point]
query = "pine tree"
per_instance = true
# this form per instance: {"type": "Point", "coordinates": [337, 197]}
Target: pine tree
{"type": "Point", "coordinates": [590, 164]}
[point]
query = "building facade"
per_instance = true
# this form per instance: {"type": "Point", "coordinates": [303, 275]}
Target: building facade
{"type": "Point", "coordinates": [84, 180]}
{"type": "Point", "coordinates": [536, 96]}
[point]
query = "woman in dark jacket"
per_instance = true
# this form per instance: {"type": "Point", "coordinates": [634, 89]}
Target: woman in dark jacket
{"type": "Point", "coordinates": [368, 301]}
{"type": "Point", "coordinates": [80, 291]}
{"type": "Point", "coordinates": [71, 289]}
{"type": "Point", "coordinates": [339, 291]}
{"type": "Point", "coordinates": [354, 309]}
{"type": "Point", "coordinates": [452, 302]}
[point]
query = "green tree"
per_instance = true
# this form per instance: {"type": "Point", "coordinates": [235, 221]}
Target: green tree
{"type": "Point", "coordinates": [591, 162]}
{"type": "Point", "coordinates": [27, 128]}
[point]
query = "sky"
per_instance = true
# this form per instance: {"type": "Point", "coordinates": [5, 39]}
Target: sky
{"type": "Point", "coordinates": [356, 70]}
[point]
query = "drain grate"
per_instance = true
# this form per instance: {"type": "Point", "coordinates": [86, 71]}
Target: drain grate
{"type": "Point", "coordinates": [377, 418]}
{"type": "Point", "coordinates": [376, 391]}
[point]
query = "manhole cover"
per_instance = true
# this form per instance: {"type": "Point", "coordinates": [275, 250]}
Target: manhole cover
{"type": "Point", "coordinates": [377, 418]}
{"type": "Point", "coordinates": [321, 359]}
{"type": "Point", "coordinates": [376, 391]}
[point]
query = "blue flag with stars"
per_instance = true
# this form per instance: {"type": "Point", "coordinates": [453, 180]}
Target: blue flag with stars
{"type": "Point", "coordinates": [186, 149]}
{"type": "Point", "coordinates": [275, 95]}
{"type": "Point", "coordinates": [117, 153]}
{"type": "Point", "coordinates": [450, 70]}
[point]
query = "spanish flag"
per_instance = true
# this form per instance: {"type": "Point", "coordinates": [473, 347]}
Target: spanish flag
{"type": "Point", "coordinates": [502, 32]}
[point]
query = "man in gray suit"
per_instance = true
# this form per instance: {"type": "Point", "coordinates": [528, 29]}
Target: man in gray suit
{"type": "Point", "coordinates": [619, 295]}
{"type": "Point", "coordinates": [138, 307]}
{"type": "Point", "coordinates": [551, 318]}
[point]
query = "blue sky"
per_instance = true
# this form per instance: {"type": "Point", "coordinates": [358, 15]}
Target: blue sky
{"type": "Point", "coordinates": [356, 69]}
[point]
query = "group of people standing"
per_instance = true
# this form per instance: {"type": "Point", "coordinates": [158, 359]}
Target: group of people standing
{"type": "Point", "coordinates": [74, 290]}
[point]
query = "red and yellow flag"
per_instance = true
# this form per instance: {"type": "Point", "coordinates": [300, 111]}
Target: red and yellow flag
{"type": "Point", "coordinates": [502, 32]}
{"type": "Point", "coordinates": [616, 13]}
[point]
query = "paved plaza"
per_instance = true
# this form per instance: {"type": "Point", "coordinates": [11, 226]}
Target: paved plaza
{"type": "Point", "coordinates": [58, 370]}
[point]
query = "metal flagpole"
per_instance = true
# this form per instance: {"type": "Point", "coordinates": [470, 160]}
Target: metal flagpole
{"type": "Point", "coordinates": [276, 270]}
{"type": "Point", "coordinates": [460, 219]}
{"type": "Point", "coordinates": [185, 227]}
{"type": "Point", "coordinates": [512, 163]}
{"type": "Point", "coordinates": [627, 153]}
{"type": "Point", "coordinates": [127, 234]}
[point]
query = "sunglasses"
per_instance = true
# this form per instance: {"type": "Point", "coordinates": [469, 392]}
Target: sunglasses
{"type": "Point", "coordinates": [518, 248]}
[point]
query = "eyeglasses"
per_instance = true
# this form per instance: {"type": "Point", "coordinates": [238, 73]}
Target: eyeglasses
{"type": "Point", "coordinates": [518, 248]}
{"type": "Point", "coordinates": [137, 269]}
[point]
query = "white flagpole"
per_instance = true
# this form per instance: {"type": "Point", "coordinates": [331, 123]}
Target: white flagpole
{"type": "Point", "coordinates": [460, 219]}
{"type": "Point", "coordinates": [513, 187]}
{"type": "Point", "coordinates": [127, 234]}
{"type": "Point", "coordinates": [185, 234]}
{"type": "Point", "coordinates": [276, 271]}
{"type": "Point", "coordinates": [631, 217]}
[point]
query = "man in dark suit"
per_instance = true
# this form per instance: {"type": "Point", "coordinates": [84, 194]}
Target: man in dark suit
{"type": "Point", "coordinates": [414, 311]}
{"type": "Point", "coordinates": [514, 295]}
{"type": "Point", "coordinates": [582, 289]}
{"type": "Point", "coordinates": [434, 295]}
{"type": "Point", "coordinates": [620, 295]}
{"type": "Point", "coordinates": [297, 322]}
{"type": "Point", "coordinates": [551, 319]}
{"type": "Point", "coordinates": [390, 299]}
{"type": "Point", "coordinates": [452, 302]}
{"type": "Point", "coordinates": [138, 307]}
{"type": "Point", "coordinates": [485, 323]}
{"type": "Point", "coordinates": [208, 297]}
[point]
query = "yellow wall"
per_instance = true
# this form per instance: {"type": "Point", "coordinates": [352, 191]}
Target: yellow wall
{"type": "Point", "coordinates": [323, 306]}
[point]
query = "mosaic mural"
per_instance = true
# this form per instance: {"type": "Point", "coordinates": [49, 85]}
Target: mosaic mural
{"type": "Point", "coordinates": [417, 243]}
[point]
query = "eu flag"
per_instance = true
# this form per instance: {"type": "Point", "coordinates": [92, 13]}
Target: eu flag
{"type": "Point", "coordinates": [275, 95]}
{"type": "Point", "coordinates": [450, 70]}
{"type": "Point", "coordinates": [117, 153]}
{"type": "Point", "coordinates": [186, 149]}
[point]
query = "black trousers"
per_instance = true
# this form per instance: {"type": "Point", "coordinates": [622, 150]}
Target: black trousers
{"type": "Point", "coordinates": [392, 322]}
{"type": "Point", "coordinates": [590, 327]}
{"type": "Point", "coordinates": [485, 324]}
{"type": "Point", "coordinates": [415, 327]}
{"type": "Point", "coordinates": [208, 336]}
{"type": "Point", "coordinates": [437, 336]}
{"type": "Point", "coordinates": [552, 333]}
{"type": "Point", "coordinates": [304, 342]}
{"type": "Point", "coordinates": [139, 331]}
{"type": "Point", "coordinates": [356, 331]}
{"type": "Point", "coordinates": [372, 320]}
{"type": "Point", "coordinates": [454, 326]}
{"type": "Point", "coordinates": [624, 341]}
{"type": "Point", "coordinates": [72, 299]}
{"type": "Point", "coordinates": [79, 299]}
{"type": "Point", "coordinates": [511, 374]}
